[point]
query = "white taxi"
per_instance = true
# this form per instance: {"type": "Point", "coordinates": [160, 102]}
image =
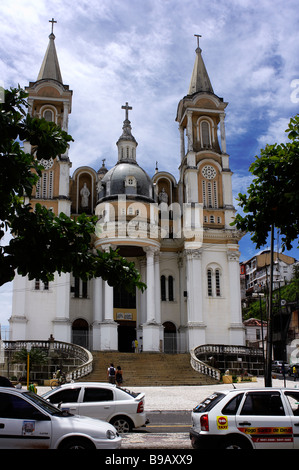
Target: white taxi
{"type": "Point", "coordinates": [266, 418]}
{"type": "Point", "coordinates": [27, 421]}
{"type": "Point", "coordinates": [120, 407]}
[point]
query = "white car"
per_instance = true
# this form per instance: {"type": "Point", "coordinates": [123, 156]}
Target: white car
{"type": "Point", "coordinates": [27, 421]}
{"type": "Point", "coordinates": [266, 418]}
{"type": "Point", "coordinates": [123, 409]}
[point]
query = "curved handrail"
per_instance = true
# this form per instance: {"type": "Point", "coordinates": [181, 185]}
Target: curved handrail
{"type": "Point", "coordinates": [204, 368]}
{"type": "Point", "coordinates": [73, 350]}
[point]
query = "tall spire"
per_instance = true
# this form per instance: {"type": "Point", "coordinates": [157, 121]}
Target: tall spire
{"type": "Point", "coordinates": [127, 143]}
{"type": "Point", "coordinates": [50, 67]}
{"type": "Point", "coordinates": [200, 80]}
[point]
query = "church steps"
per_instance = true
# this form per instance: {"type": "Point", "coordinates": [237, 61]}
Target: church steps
{"type": "Point", "coordinates": [148, 369]}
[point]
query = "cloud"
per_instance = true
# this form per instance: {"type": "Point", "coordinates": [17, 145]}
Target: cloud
{"type": "Point", "coordinates": [276, 133]}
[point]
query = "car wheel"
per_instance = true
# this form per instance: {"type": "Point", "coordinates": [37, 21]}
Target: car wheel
{"type": "Point", "coordinates": [234, 442]}
{"type": "Point", "coordinates": [194, 443]}
{"type": "Point", "coordinates": [77, 443]}
{"type": "Point", "coordinates": [122, 424]}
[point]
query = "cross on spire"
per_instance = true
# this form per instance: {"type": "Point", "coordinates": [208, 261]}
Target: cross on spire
{"type": "Point", "coordinates": [127, 108]}
{"type": "Point", "coordinates": [52, 21]}
{"type": "Point", "coordinates": [197, 36]}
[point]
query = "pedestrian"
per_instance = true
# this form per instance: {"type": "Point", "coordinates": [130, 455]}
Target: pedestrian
{"type": "Point", "coordinates": [32, 388]}
{"type": "Point", "coordinates": [19, 384]}
{"type": "Point", "coordinates": [295, 373]}
{"type": "Point", "coordinates": [119, 376]}
{"type": "Point", "coordinates": [111, 374]}
{"type": "Point", "coordinates": [283, 371]}
{"type": "Point", "coordinates": [136, 345]}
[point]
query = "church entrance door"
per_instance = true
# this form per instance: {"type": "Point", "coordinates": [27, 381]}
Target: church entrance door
{"type": "Point", "coordinates": [125, 315]}
{"type": "Point", "coordinates": [80, 333]}
{"type": "Point", "coordinates": [126, 335]}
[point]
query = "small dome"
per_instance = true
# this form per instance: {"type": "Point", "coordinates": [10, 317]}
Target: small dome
{"type": "Point", "coordinates": [126, 178]}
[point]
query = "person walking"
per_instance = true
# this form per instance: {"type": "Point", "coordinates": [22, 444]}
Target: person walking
{"type": "Point", "coordinates": [119, 376]}
{"type": "Point", "coordinates": [295, 373]}
{"type": "Point", "coordinates": [111, 374]}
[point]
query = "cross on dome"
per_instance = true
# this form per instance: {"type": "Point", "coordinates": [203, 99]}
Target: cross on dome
{"type": "Point", "coordinates": [127, 108]}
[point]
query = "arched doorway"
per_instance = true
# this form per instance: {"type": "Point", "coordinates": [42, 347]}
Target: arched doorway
{"type": "Point", "coordinates": [124, 305]}
{"type": "Point", "coordinates": [170, 338]}
{"type": "Point", "coordinates": [80, 333]}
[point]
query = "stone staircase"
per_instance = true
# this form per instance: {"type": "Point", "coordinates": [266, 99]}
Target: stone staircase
{"type": "Point", "coordinates": [148, 369]}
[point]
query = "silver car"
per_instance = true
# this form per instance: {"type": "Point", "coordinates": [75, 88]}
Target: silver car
{"type": "Point", "coordinates": [27, 421]}
{"type": "Point", "coordinates": [120, 407]}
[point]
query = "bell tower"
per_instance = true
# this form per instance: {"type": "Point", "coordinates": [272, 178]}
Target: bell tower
{"type": "Point", "coordinates": [211, 250]}
{"type": "Point", "coordinates": [50, 99]}
{"type": "Point", "coordinates": [204, 161]}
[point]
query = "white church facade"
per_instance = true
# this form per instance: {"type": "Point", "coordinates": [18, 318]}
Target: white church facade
{"type": "Point", "coordinates": [177, 233]}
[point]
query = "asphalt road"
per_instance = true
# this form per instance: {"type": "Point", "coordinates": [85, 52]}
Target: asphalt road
{"type": "Point", "coordinates": [167, 422]}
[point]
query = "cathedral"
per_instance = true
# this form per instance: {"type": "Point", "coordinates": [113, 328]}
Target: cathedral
{"type": "Point", "coordinates": [177, 233]}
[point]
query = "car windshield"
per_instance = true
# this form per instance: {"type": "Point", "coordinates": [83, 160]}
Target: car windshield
{"type": "Point", "coordinates": [44, 404]}
{"type": "Point", "coordinates": [209, 402]}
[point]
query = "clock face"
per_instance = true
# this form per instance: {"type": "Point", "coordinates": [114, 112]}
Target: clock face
{"type": "Point", "coordinates": [208, 172]}
{"type": "Point", "coordinates": [47, 164]}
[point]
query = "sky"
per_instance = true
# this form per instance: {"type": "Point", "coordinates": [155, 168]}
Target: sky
{"type": "Point", "coordinates": [142, 52]}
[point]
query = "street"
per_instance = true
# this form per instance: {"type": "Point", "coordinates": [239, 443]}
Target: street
{"type": "Point", "coordinates": [167, 422]}
{"type": "Point", "coordinates": [166, 430]}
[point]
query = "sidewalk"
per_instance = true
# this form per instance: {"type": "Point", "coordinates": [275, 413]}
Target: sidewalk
{"type": "Point", "coordinates": [185, 398]}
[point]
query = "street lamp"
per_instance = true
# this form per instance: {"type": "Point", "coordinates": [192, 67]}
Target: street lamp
{"type": "Point", "coordinates": [28, 347]}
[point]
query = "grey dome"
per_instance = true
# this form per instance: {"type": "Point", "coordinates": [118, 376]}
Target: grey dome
{"type": "Point", "coordinates": [126, 178]}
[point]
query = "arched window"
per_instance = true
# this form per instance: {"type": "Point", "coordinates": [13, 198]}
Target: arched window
{"type": "Point", "coordinates": [214, 282]}
{"type": "Point", "coordinates": [163, 288]}
{"type": "Point", "coordinates": [79, 288]}
{"type": "Point", "coordinates": [170, 288]}
{"type": "Point", "coordinates": [44, 186]}
{"type": "Point", "coordinates": [209, 187]}
{"type": "Point", "coordinates": [167, 288]}
{"type": "Point", "coordinates": [217, 282]}
{"type": "Point", "coordinates": [209, 279]}
{"type": "Point", "coordinates": [205, 134]}
{"type": "Point", "coordinates": [48, 115]}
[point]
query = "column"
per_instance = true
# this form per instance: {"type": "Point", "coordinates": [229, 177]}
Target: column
{"type": "Point", "coordinates": [97, 312]}
{"type": "Point", "coordinates": [108, 327]}
{"type": "Point", "coordinates": [237, 334]}
{"type": "Point", "coordinates": [182, 140]}
{"type": "Point", "coordinates": [19, 319]}
{"type": "Point", "coordinates": [152, 329]}
{"type": "Point", "coordinates": [189, 131]}
{"type": "Point", "coordinates": [150, 291]}
{"type": "Point", "coordinates": [62, 324]}
{"type": "Point", "coordinates": [222, 133]}
{"type": "Point", "coordinates": [195, 320]}
{"type": "Point", "coordinates": [182, 300]}
{"type": "Point", "coordinates": [65, 116]}
{"type": "Point", "coordinates": [157, 287]}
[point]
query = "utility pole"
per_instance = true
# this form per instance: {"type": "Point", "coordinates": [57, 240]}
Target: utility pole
{"type": "Point", "coordinates": [268, 374]}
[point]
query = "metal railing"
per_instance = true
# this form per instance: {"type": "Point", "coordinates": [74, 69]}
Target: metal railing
{"type": "Point", "coordinates": [78, 353]}
{"type": "Point", "coordinates": [220, 349]}
{"type": "Point", "coordinates": [202, 367]}
{"type": "Point", "coordinates": [227, 349]}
